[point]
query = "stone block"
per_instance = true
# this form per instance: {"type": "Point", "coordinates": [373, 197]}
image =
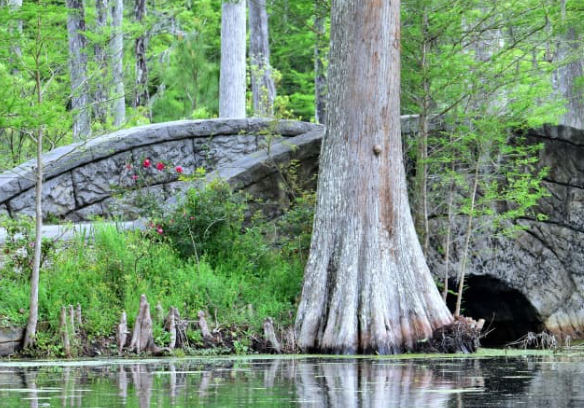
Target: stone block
{"type": "Point", "coordinates": [58, 198]}
{"type": "Point", "coordinates": [98, 180]}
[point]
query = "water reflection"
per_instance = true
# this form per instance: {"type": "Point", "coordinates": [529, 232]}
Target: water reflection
{"type": "Point", "coordinates": [350, 383]}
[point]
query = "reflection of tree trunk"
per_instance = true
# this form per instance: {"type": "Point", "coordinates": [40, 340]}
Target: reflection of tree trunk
{"type": "Point", "coordinates": [142, 380]}
{"type": "Point", "coordinates": [172, 370]}
{"type": "Point", "coordinates": [206, 379]}
{"type": "Point", "coordinates": [30, 381]}
{"type": "Point", "coordinates": [123, 384]}
{"type": "Point", "coordinates": [370, 384]}
{"type": "Point", "coordinates": [270, 373]}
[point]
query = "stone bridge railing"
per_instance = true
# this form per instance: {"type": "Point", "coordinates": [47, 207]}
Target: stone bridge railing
{"type": "Point", "coordinates": [81, 178]}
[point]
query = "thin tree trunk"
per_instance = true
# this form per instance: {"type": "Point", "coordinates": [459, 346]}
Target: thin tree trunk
{"type": "Point", "coordinates": [15, 6]}
{"type": "Point", "coordinates": [78, 69]}
{"type": "Point", "coordinates": [31, 326]}
{"type": "Point", "coordinates": [100, 95]}
{"type": "Point", "coordinates": [467, 240]}
{"type": "Point", "coordinates": [232, 75]}
{"type": "Point", "coordinates": [116, 62]}
{"type": "Point", "coordinates": [570, 73]}
{"type": "Point", "coordinates": [141, 94]}
{"type": "Point", "coordinates": [421, 201]}
{"type": "Point", "coordinates": [367, 287]}
{"type": "Point", "coordinates": [320, 91]}
{"type": "Point", "coordinates": [262, 83]}
{"type": "Point", "coordinates": [448, 234]}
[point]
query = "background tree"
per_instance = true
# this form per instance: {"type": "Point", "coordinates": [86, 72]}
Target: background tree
{"type": "Point", "coordinates": [569, 55]}
{"type": "Point", "coordinates": [367, 286]}
{"type": "Point", "coordinates": [232, 78]}
{"type": "Point", "coordinates": [100, 94]}
{"type": "Point", "coordinates": [141, 92]}
{"type": "Point", "coordinates": [116, 63]}
{"type": "Point", "coordinates": [78, 69]}
{"type": "Point", "coordinates": [262, 83]}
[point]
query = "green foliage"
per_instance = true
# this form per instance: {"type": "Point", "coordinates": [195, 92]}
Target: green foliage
{"type": "Point", "coordinates": [108, 272]}
{"type": "Point", "coordinates": [207, 221]}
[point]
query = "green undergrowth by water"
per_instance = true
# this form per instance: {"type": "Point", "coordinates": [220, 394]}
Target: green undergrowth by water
{"type": "Point", "coordinates": [234, 271]}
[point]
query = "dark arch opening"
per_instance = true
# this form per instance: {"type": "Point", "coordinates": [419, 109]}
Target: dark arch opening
{"type": "Point", "coordinates": [507, 312]}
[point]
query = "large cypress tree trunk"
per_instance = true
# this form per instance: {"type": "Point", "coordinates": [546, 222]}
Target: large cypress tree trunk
{"type": "Point", "coordinates": [367, 287]}
{"type": "Point", "coordinates": [232, 75]}
{"type": "Point", "coordinates": [262, 84]}
{"type": "Point", "coordinates": [78, 69]}
{"type": "Point", "coordinates": [117, 67]}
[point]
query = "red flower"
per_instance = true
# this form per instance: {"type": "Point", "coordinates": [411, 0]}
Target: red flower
{"type": "Point", "coordinates": [179, 169]}
{"type": "Point", "coordinates": [147, 163]}
{"type": "Point", "coordinates": [160, 166]}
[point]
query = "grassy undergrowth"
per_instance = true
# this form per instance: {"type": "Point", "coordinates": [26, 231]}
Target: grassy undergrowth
{"type": "Point", "coordinates": [202, 256]}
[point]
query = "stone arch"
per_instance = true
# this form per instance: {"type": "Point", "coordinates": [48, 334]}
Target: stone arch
{"type": "Point", "coordinates": [508, 313]}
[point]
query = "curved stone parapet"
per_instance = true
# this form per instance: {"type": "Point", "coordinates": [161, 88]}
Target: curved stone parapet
{"type": "Point", "coordinates": [81, 178]}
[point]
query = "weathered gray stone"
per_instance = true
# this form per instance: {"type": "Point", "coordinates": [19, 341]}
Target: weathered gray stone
{"type": "Point", "coordinates": [218, 151]}
{"type": "Point", "coordinates": [98, 180]}
{"type": "Point", "coordinates": [88, 213]}
{"type": "Point", "coordinates": [10, 341]}
{"type": "Point", "coordinates": [58, 198]}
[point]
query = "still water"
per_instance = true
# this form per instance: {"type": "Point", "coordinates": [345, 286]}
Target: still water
{"type": "Point", "coordinates": [546, 382]}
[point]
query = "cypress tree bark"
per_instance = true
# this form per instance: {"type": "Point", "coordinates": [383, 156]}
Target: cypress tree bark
{"type": "Point", "coordinates": [262, 83]}
{"type": "Point", "coordinates": [232, 75]}
{"type": "Point", "coordinates": [367, 287]}
{"type": "Point", "coordinates": [78, 69]}
{"type": "Point", "coordinates": [117, 58]}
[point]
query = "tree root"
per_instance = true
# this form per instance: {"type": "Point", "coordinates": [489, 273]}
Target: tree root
{"type": "Point", "coordinates": [463, 335]}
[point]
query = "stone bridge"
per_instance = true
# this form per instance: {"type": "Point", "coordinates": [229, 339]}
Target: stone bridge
{"type": "Point", "coordinates": [530, 282]}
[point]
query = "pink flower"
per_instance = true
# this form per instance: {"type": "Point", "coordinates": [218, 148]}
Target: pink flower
{"type": "Point", "coordinates": [192, 218]}
{"type": "Point", "coordinates": [134, 177]}
{"type": "Point", "coordinates": [179, 169]}
{"type": "Point", "coordinates": [147, 163]}
{"type": "Point", "coordinates": [160, 230]}
{"type": "Point", "coordinates": [128, 166]}
{"type": "Point", "coordinates": [160, 166]}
